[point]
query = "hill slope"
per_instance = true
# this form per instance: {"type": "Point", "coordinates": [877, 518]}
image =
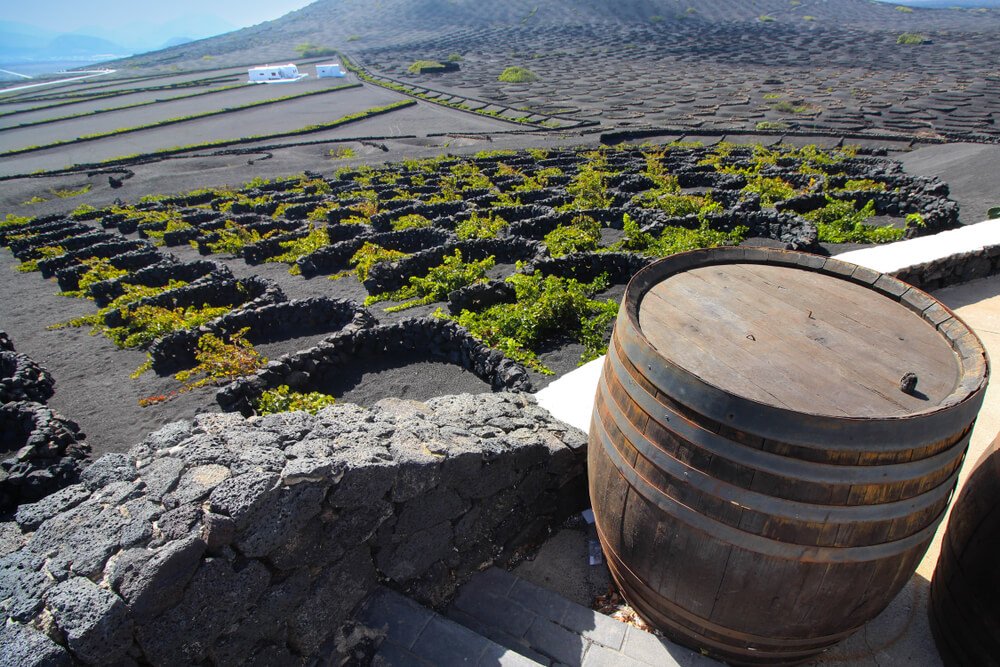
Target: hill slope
{"type": "Point", "coordinates": [344, 23]}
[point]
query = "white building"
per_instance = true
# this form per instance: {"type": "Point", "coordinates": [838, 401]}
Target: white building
{"type": "Point", "coordinates": [274, 73]}
{"type": "Point", "coordinates": [330, 70]}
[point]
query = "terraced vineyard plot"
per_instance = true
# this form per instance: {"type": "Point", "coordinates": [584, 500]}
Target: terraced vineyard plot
{"type": "Point", "coordinates": [834, 73]}
{"type": "Point", "coordinates": [418, 120]}
{"type": "Point", "coordinates": [187, 110]}
{"type": "Point", "coordinates": [61, 101]}
{"type": "Point", "coordinates": [260, 121]}
{"type": "Point", "coordinates": [62, 111]}
{"type": "Point", "coordinates": [506, 266]}
{"type": "Point", "coordinates": [119, 83]}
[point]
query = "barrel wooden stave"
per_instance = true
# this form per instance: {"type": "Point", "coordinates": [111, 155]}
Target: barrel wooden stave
{"type": "Point", "coordinates": [758, 478]}
{"type": "Point", "coordinates": [964, 606]}
{"type": "Point", "coordinates": [758, 549]}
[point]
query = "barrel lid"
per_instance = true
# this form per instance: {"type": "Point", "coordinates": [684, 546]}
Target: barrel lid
{"type": "Point", "coordinates": [805, 333]}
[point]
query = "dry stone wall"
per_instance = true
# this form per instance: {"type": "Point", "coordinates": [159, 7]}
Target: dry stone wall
{"type": "Point", "coordinates": [275, 321]}
{"type": "Point", "coordinates": [436, 338]}
{"type": "Point", "coordinates": [40, 451]}
{"type": "Point", "coordinates": [250, 541]}
{"type": "Point", "coordinates": [952, 270]}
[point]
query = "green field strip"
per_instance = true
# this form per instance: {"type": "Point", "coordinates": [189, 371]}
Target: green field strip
{"type": "Point", "coordinates": [174, 121]}
{"type": "Point", "coordinates": [48, 93]}
{"type": "Point", "coordinates": [23, 97]}
{"type": "Point", "coordinates": [45, 121]}
{"type": "Point", "coordinates": [219, 78]}
{"type": "Point", "coordinates": [29, 95]}
{"type": "Point", "coordinates": [89, 95]}
{"type": "Point", "coordinates": [176, 150]}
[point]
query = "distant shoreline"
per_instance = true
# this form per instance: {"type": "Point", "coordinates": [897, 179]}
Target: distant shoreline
{"type": "Point", "coordinates": [48, 67]}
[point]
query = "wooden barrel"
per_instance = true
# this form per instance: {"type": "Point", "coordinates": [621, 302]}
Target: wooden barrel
{"type": "Point", "coordinates": [965, 590]}
{"type": "Point", "coordinates": [763, 477]}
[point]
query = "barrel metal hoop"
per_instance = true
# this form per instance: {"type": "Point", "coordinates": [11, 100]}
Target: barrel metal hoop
{"type": "Point", "coordinates": [781, 424]}
{"type": "Point", "coordinates": [790, 510]}
{"type": "Point", "coordinates": [824, 473]}
{"type": "Point", "coordinates": [766, 546]}
{"type": "Point", "coordinates": [634, 585]}
{"type": "Point", "coordinates": [789, 426]}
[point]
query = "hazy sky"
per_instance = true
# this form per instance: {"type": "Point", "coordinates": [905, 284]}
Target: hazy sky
{"type": "Point", "coordinates": [68, 15]}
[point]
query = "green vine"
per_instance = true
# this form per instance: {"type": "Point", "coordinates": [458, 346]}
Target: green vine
{"type": "Point", "coordinates": [842, 222]}
{"type": "Point", "coordinates": [316, 238]}
{"type": "Point", "coordinates": [674, 239]}
{"type": "Point", "coordinates": [546, 307]}
{"type": "Point", "coordinates": [45, 252]}
{"type": "Point", "coordinates": [233, 237]}
{"type": "Point", "coordinates": [448, 276]}
{"type": "Point", "coordinates": [582, 235]}
{"type": "Point", "coordinates": [367, 256]}
{"type": "Point", "coordinates": [100, 269]}
{"type": "Point", "coordinates": [479, 226]}
{"type": "Point", "coordinates": [283, 399]}
{"type": "Point", "coordinates": [145, 324]}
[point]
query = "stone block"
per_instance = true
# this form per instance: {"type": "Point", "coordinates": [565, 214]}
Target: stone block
{"type": "Point", "coordinates": [217, 597]}
{"type": "Point", "coordinates": [23, 646]}
{"type": "Point", "coordinates": [94, 621]}
{"type": "Point", "coordinates": [160, 477]}
{"type": "Point", "coordinates": [557, 642]}
{"type": "Point", "coordinates": [274, 522]}
{"type": "Point", "coordinates": [107, 469]}
{"type": "Point", "coordinates": [151, 581]}
{"type": "Point", "coordinates": [197, 483]}
{"type": "Point", "coordinates": [239, 497]}
{"type": "Point", "coordinates": [429, 509]}
{"type": "Point", "coordinates": [336, 591]}
{"type": "Point", "coordinates": [407, 558]}
{"type": "Point", "coordinates": [32, 515]}
{"type": "Point", "coordinates": [22, 585]}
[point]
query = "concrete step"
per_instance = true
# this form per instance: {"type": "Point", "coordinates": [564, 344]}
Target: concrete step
{"type": "Point", "coordinates": [551, 630]}
{"type": "Point", "coordinates": [419, 637]}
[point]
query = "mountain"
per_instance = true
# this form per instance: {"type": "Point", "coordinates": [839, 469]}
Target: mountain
{"type": "Point", "coordinates": [369, 25]}
{"type": "Point", "coordinates": [143, 36]}
{"type": "Point", "coordinates": [72, 45]}
{"type": "Point", "coordinates": [947, 4]}
{"type": "Point", "coordinates": [176, 41]}
{"type": "Point", "coordinates": [22, 42]}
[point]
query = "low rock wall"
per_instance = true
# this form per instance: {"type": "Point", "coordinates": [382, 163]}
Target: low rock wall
{"type": "Point", "coordinates": [155, 275]}
{"type": "Point", "coordinates": [69, 278]}
{"type": "Point", "coordinates": [335, 257]}
{"type": "Point", "coordinates": [619, 267]}
{"type": "Point", "coordinates": [952, 270]}
{"type": "Point", "coordinates": [479, 296]}
{"type": "Point", "coordinates": [29, 248]}
{"type": "Point", "coordinates": [215, 289]}
{"type": "Point", "coordinates": [435, 338]}
{"type": "Point", "coordinates": [43, 235]}
{"type": "Point", "coordinates": [36, 226]}
{"type": "Point", "coordinates": [389, 276]}
{"type": "Point", "coordinates": [250, 541]}
{"type": "Point", "coordinates": [42, 453]}
{"type": "Point", "coordinates": [116, 246]}
{"type": "Point", "coordinates": [276, 321]}
{"type": "Point", "coordinates": [21, 379]}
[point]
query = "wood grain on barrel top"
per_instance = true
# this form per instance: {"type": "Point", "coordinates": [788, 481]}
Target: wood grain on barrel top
{"type": "Point", "coordinates": [798, 339]}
